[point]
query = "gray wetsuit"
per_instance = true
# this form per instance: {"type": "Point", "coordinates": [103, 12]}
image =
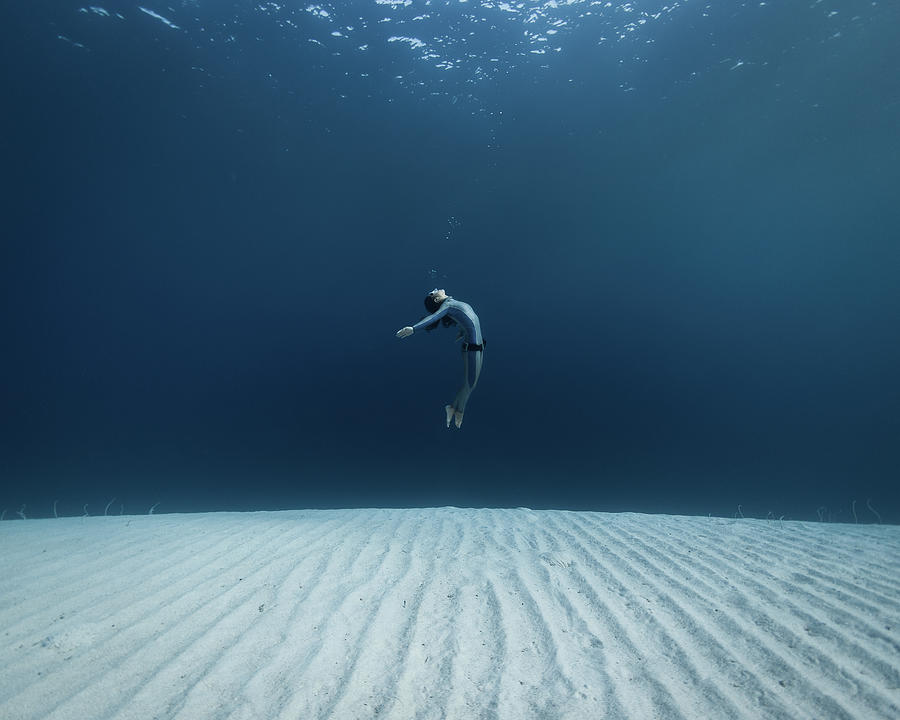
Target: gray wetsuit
{"type": "Point", "coordinates": [473, 344]}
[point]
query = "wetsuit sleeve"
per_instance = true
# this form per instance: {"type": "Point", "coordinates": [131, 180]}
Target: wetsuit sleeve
{"type": "Point", "coordinates": [434, 317]}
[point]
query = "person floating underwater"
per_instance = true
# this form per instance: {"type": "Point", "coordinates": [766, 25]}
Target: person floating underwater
{"type": "Point", "coordinates": [445, 310]}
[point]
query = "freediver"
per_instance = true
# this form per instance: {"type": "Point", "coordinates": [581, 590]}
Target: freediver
{"type": "Point", "coordinates": [445, 310]}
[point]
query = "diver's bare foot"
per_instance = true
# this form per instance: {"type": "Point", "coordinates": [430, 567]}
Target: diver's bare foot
{"type": "Point", "coordinates": [449, 410]}
{"type": "Point", "coordinates": [457, 418]}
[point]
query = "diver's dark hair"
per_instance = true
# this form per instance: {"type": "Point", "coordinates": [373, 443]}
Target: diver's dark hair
{"type": "Point", "coordinates": [432, 306]}
{"type": "Point", "coordinates": [446, 321]}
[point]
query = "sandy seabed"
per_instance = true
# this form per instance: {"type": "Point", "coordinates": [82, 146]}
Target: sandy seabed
{"type": "Point", "coordinates": [447, 613]}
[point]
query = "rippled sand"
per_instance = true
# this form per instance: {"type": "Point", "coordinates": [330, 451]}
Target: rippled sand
{"type": "Point", "coordinates": [447, 613]}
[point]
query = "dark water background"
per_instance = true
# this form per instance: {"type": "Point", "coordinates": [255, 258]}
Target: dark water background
{"type": "Point", "coordinates": [680, 228]}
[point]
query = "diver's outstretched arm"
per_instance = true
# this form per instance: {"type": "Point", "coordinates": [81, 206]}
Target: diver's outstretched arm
{"type": "Point", "coordinates": [434, 317]}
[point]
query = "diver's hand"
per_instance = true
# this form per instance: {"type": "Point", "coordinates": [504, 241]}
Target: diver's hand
{"type": "Point", "coordinates": [404, 332]}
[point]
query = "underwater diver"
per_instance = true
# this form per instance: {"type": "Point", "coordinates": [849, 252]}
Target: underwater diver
{"type": "Point", "coordinates": [445, 310]}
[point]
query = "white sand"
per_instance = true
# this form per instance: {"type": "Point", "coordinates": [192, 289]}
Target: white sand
{"type": "Point", "coordinates": [447, 613]}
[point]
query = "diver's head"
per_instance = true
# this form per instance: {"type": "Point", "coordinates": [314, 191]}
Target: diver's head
{"type": "Point", "coordinates": [434, 299]}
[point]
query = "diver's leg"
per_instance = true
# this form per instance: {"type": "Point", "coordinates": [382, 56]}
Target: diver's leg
{"type": "Point", "coordinates": [477, 367]}
{"type": "Point", "coordinates": [471, 371]}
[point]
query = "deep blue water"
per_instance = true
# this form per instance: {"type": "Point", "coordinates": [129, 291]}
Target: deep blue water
{"type": "Point", "coordinates": [678, 223]}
